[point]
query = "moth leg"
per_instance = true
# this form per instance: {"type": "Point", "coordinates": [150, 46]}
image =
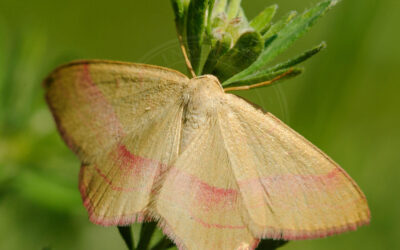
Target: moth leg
{"type": "Point", "coordinates": [261, 84]}
{"type": "Point", "coordinates": [185, 55]}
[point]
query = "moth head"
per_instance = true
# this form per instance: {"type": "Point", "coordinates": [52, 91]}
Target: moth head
{"type": "Point", "coordinates": [206, 84]}
{"type": "Point", "coordinates": [203, 93]}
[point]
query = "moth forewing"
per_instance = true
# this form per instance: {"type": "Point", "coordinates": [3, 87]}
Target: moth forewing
{"type": "Point", "coordinates": [305, 193]}
{"type": "Point", "coordinates": [124, 122]}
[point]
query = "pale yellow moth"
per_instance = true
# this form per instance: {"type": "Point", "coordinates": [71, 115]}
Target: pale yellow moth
{"type": "Point", "coordinates": [215, 172]}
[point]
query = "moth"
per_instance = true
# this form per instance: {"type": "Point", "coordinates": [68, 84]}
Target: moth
{"type": "Point", "coordinates": [213, 170]}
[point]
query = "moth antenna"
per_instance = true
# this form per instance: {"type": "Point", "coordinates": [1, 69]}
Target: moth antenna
{"type": "Point", "coordinates": [185, 55]}
{"type": "Point", "coordinates": [261, 84]}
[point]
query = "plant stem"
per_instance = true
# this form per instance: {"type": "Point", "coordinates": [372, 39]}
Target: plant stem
{"type": "Point", "coordinates": [126, 234]}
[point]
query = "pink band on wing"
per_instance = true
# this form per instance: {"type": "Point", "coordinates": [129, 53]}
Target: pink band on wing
{"type": "Point", "coordinates": [100, 109]}
{"type": "Point", "coordinates": [212, 225]}
{"type": "Point", "coordinates": [206, 196]}
{"type": "Point", "coordinates": [133, 164]}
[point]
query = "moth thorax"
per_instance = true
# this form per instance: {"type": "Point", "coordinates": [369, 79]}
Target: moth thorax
{"type": "Point", "coordinates": [203, 94]}
{"type": "Point", "coordinates": [201, 100]}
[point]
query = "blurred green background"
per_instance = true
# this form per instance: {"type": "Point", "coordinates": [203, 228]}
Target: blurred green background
{"type": "Point", "coordinates": [347, 103]}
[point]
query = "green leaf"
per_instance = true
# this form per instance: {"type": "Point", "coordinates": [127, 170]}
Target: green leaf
{"type": "Point", "coordinates": [246, 50]}
{"type": "Point", "coordinates": [126, 234]}
{"type": "Point", "coordinates": [290, 33]}
{"type": "Point", "coordinates": [261, 22]}
{"type": "Point", "coordinates": [278, 26]}
{"type": "Point", "coordinates": [233, 8]}
{"type": "Point", "coordinates": [288, 64]}
{"type": "Point", "coordinates": [220, 7]}
{"type": "Point", "coordinates": [301, 58]}
{"type": "Point", "coordinates": [179, 10]}
{"type": "Point", "coordinates": [195, 31]}
{"type": "Point", "coordinates": [267, 76]}
{"type": "Point", "coordinates": [269, 41]}
{"type": "Point", "coordinates": [211, 4]}
{"type": "Point", "coordinates": [219, 49]}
